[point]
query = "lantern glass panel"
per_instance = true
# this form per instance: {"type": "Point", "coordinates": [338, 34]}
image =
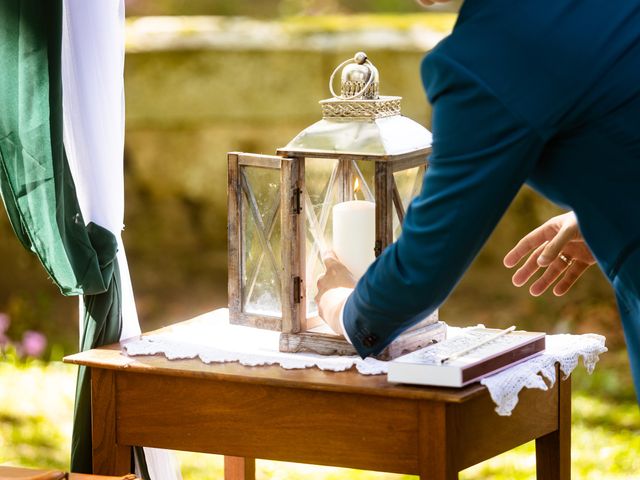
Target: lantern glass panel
{"type": "Point", "coordinates": [261, 238]}
{"type": "Point", "coordinates": [328, 182]}
{"type": "Point", "coordinates": [365, 172]}
{"type": "Point", "coordinates": [322, 192]}
{"type": "Point", "coordinates": [409, 183]}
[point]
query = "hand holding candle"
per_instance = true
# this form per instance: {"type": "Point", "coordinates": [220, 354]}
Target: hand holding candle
{"type": "Point", "coordinates": [334, 287]}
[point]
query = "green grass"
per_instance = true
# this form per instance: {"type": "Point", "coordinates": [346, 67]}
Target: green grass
{"type": "Point", "coordinates": [36, 405]}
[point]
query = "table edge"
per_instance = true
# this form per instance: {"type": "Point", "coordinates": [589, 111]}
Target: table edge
{"type": "Point", "coordinates": [126, 364]}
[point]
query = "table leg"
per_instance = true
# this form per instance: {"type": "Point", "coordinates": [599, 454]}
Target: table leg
{"type": "Point", "coordinates": [553, 451]}
{"type": "Point", "coordinates": [239, 468]}
{"type": "Point", "coordinates": [109, 458]}
{"type": "Point", "coordinates": [435, 441]}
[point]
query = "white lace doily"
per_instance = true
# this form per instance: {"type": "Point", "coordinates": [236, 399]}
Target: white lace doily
{"type": "Point", "coordinates": [564, 349]}
{"type": "Point", "coordinates": [211, 338]}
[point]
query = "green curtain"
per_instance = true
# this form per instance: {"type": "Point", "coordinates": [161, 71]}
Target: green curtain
{"type": "Point", "coordinates": [38, 189]}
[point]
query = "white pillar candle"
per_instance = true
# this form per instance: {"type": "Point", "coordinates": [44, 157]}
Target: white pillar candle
{"type": "Point", "coordinates": [354, 233]}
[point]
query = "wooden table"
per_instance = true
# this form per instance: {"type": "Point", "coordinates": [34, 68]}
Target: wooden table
{"type": "Point", "coordinates": [310, 416]}
{"type": "Point", "coordinates": [19, 473]}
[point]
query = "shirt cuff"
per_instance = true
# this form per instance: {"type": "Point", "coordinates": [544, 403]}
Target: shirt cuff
{"type": "Point", "coordinates": [344, 330]}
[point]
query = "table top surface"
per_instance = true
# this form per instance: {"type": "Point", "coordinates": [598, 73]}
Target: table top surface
{"type": "Point", "coordinates": [112, 357]}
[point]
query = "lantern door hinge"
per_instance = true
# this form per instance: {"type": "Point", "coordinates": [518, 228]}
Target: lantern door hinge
{"type": "Point", "coordinates": [297, 201]}
{"type": "Point", "coordinates": [297, 289]}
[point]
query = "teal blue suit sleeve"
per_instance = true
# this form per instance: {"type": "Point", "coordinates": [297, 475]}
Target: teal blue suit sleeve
{"type": "Point", "coordinates": [482, 155]}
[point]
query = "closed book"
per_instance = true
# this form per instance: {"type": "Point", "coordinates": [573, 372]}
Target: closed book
{"type": "Point", "coordinates": [472, 355]}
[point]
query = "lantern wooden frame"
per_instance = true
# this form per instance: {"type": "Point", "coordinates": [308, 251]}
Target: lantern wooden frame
{"type": "Point", "coordinates": [298, 332]}
{"type": "Point", "coordinates": [286, 211]}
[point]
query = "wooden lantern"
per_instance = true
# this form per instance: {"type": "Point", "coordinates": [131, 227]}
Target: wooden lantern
{"type": "Point", "coordinates": [280, 210]}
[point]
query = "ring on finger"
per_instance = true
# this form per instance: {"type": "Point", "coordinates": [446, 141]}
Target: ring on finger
{"type": "Point", "coordinates": [566, 259]}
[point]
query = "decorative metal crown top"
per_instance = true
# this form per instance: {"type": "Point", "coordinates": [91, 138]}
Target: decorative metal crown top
{"type": "Point", "coordinates": [359, 79]}
{"type": "Point", "coordinates": [359, 92]}
{"type": "Point", "coordinates": [359, 121]}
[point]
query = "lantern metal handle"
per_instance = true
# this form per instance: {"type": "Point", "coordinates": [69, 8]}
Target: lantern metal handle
{"type": "Point", "coordinates": [366, 85]}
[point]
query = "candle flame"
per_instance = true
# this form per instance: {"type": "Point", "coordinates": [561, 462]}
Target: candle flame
{"type": "Point", "coordinates": [356, 188]}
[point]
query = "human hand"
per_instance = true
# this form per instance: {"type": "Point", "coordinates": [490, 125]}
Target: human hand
{"type": "Point", "coordinates": [334, 287]}
{"type": "Point", "coordinates": [557, 246]}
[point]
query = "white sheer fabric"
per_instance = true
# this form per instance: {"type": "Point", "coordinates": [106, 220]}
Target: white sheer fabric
{"type": "Point", "coordinates": [93, 107]}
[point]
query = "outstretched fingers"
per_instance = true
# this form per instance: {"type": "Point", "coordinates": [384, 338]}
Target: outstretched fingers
{"type": "Point", "coordinates": [531, 241]}
{"type": "Point", "coordinates": [554, 247]}
{"type": "Point", "coordinates": [528, 269]}
{"type": "Point", "coordinates": [550, 275]}
{"type": "Point", "coordinates": [558, 248]}
{"type": "Point", "coordinates": [569, 278]}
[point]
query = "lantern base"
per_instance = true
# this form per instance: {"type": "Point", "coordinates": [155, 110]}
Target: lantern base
{"type": "Point", "coordinates": [421, 335]}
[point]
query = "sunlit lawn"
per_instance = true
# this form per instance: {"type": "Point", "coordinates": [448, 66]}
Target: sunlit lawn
{"type": "Point", "coordinates": [36, 404]}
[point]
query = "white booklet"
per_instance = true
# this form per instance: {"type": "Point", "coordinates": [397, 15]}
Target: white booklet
{"type": "Point", "coordinates": [475, 353]}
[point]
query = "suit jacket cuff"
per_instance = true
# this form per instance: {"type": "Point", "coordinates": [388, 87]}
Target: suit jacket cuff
{"type": "Point", "coordinates": [357, 331]}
